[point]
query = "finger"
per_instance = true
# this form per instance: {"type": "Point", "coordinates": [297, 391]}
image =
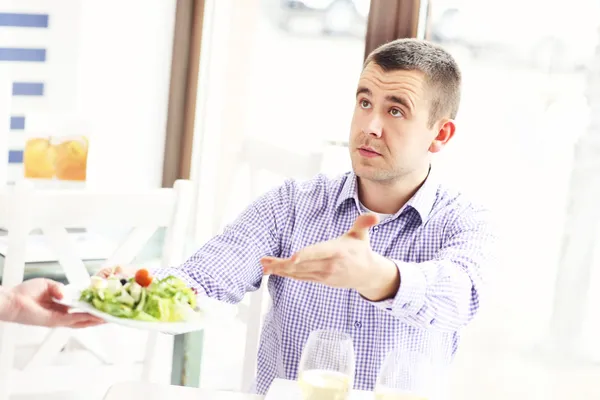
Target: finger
{"type": "Point", "coordinates": [360, 229]}
{"type": "Point", "coordinates": [126, 271]}
{"type": "Point", "coordinates": [118, 270]}
{"type": "Point", "coordinates": [320, 251]}
{"type": "Point", "coordinates": [268, 260]}
{"type": "Point", "coordinates": [305, 270]}
{"type": "Point", "coordinates": [299, 276]}
{"type": "Point", "coordinates": [87, 323]}
{"type": "Point", "coordinates": [59, 308]}
{"type": "Point", "coordinates": [104, 273]}
{"type": "Point", "coordinates": [268, 263]}
{"type": "Point", "coordinates": [109, 271]}
{"type": "Point", "coordinates": [55, 289]}
{"type": "Point", "coordinates": [77, 320]}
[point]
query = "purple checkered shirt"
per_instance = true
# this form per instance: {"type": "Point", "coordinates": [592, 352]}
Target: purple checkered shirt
{"type": "Point", "coordinates": [441, 243]}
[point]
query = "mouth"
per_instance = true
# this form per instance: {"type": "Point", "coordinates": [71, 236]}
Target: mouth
{"type": "Point", "coordinates": [368, 152]}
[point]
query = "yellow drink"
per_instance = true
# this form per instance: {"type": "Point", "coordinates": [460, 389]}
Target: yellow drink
{"type": "Point", "coordinates": [39, 158]}
{"type": "Point", "coordinates": [324, 385]}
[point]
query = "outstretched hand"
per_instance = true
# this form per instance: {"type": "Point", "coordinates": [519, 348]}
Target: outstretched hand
{"type": "Point", "coordinates": [32, 303]}
{"type": "Point", "coordinates": [345, 262]}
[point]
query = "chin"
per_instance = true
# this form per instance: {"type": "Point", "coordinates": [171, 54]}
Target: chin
{"type": "Point", "coordinates": [369, 173]}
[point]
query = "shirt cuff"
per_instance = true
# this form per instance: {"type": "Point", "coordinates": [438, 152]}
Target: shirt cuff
{"type": "Point", "coordinates": [161, 273]}
{"type": "Point", "coordinates": [411, 295]}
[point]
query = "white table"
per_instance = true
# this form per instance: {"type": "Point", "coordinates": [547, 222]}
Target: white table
{"type": "Point", "coordinates": [150, 391]}
{"type": "Point", "coordinates": [280, 389]}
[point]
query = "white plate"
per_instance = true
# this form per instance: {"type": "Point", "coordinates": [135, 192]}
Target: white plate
{"type": "Point", "coordinates": [71, 295]}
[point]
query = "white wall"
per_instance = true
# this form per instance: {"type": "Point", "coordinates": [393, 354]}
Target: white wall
{"type": "Point", "coordinates": [123, 85]}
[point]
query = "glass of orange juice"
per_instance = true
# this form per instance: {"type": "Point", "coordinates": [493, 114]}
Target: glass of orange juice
{"type": "Point", "coordinates": [71, 158]}
{"type": "Point", "coordinates": [62, 158]}
{"type": "Point", "coordinates": [39, 158]}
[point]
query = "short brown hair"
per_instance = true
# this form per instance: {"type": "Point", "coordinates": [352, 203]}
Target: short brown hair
{"type": "Point", "coordinates": [440, 69]}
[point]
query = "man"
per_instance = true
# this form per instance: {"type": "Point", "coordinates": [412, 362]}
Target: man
{"type": "Point", "coordinates": [384, 253]}
{"type": "Point", "coordinates": [32, 303]}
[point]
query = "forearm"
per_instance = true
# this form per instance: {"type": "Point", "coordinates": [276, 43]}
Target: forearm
{"type": "Point", "coordinates": [435, 294]}
{"type": "Point", "coordinates": [228, 265]}
{"type": "Point", "coordinates": [445, 292]}
{"type": "Point", "coordinates": [219, 273]}
{"type": "Point", "coordinates": [402, 289]}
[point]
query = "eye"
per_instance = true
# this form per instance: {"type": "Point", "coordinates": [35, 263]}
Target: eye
{"type": "Point", "coordinates": [395, 112]}
{"type": "Point", "coordinates": [365, 104]}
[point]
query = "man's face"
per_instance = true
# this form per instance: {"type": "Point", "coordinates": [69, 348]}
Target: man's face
{"type": "Point", "coordinates": [390, 135]}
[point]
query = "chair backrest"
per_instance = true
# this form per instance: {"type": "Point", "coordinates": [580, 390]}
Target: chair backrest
{"type": "Point", "coordinates": [54, 211]}
{"type": "Point", "coordinates": [23, 209]}
{"type": "Point", "coordinates": [263, 156]}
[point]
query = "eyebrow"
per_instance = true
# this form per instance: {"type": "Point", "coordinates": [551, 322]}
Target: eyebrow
{"type": "Point", "coordinates": [364, 90]}
{"type": "Point", "coordinates": [394, 99]}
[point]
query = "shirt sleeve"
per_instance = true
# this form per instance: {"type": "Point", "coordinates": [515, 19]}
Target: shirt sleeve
{"type": "Point", "coordinates": [445, 292]}
{"type": "Point", "coordinates": [228, 265]}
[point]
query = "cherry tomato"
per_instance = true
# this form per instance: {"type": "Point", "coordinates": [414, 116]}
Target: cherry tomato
{"type": "Point", "coordinates": [143, 278]}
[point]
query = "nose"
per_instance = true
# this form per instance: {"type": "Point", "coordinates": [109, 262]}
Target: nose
{"type": "Point", "coordinates": [375, 127]}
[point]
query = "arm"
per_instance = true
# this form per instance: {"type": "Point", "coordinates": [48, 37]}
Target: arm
{"type": "Point", "coordinates": [228, 265]}
{"type": "Point", "coordinates": [445, 291]}
{"type": "Point", "coordinates": [6, 305]}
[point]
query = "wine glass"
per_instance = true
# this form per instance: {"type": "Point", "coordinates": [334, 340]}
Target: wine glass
{"type": "Point", "coordinates": [415, 373]}
{"type": "Point", "coordinates": [405, 375]}
{"type": "Point", "coordinates": [326, 370]}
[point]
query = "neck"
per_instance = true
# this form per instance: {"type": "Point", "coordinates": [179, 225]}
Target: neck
{"type": "Point", "coordinates": [388, 197]}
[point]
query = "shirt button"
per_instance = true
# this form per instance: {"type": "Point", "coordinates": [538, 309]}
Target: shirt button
{"type": "Point", "coordinates": [405, 306]}
{"type": "Point", "coordinates": [357, 325]}
{"type": "Point", "coordinates": [375, 228]}
{"type": "Point", "coordinates": [432, 321]}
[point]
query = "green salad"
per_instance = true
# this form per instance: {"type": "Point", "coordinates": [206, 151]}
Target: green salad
{"type": "Point", "coordinates": [166, 300]}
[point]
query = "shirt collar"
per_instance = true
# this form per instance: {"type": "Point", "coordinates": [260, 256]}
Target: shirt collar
{"type": "Point", "coordinates": [422, 201]}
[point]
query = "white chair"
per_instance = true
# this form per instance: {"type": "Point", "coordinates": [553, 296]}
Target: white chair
{"type": "Point", "coordinates": [260, 157]}
{"type": "Point", "coordinates": [53, 211]}
{"type": "Point", "coordinates": [5, 110]}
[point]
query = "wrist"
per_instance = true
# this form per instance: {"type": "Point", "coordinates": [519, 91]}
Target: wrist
{"type": "Point", "coordinates": [384, 282]}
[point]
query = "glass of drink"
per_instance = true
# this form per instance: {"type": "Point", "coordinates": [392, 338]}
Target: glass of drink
{"type": "Point", "coordinates": [71, 158]}
{"type": "Point", "coordinates": [417, 372]}
{"type": "Point", "coordinates": [405, 375]}
{"type": "Point", "coordinates": [326, 370]}
{"type": "Point", "coordinates": [39, 158]}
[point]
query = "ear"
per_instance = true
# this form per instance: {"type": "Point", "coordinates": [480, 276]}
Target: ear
{"type": "Point", "coordinates": [445, 133]}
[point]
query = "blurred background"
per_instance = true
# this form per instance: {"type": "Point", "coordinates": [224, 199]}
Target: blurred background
{"type": "Point", "coordinates": [238, 95]}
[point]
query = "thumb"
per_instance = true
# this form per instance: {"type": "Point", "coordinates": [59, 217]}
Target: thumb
{"type": "Point", "coordinates": [360, 229]}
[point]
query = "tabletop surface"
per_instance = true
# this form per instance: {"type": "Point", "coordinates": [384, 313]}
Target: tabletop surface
{"type": "Point", "coordinates": [150, 391]}
{"type": "Point", "coordinates": [280, 389]}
